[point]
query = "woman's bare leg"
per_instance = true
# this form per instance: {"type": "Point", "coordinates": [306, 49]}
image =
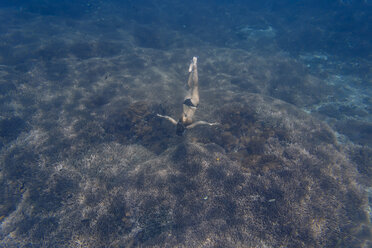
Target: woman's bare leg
{"type": "Point", "coordinates": [194, 81]}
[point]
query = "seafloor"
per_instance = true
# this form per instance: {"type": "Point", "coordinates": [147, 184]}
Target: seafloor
{"type": "Point", "coordinates": [85, 162]}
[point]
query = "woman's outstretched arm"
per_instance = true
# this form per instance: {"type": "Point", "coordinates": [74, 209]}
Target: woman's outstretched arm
{"type": "Point", "coordinates": [202, 123]}
{"type": "Point", "coordinates": [168, 118]}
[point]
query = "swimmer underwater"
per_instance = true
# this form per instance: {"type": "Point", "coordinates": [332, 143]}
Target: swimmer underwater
{"type": "Point", "coordinates": [190, 103]}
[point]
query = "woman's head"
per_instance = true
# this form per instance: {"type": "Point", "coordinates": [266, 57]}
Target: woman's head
{"type": "Point", "coordinates": [180, 128]}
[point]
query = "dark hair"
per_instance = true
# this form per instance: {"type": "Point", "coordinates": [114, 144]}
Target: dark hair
{"type": "Point", "coordinates": [180, 129]}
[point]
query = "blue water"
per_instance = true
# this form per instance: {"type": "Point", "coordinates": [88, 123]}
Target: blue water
{"type": "Point", "coordinates": [86, 161]}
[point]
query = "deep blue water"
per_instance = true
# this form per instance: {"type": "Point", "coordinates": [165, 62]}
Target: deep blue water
{"type": "Point", "coordinates": [86, 161]}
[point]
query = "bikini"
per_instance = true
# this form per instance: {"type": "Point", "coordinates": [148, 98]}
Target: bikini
{"type": "Point", "coordinates": [189, 103]}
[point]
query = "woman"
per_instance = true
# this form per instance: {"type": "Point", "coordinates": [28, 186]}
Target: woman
{"type": "Point", "coordinates": [190, 103]}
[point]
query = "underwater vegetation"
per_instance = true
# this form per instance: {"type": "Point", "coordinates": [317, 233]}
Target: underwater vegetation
{"type": "Point", "coordinates": [269, 175]}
